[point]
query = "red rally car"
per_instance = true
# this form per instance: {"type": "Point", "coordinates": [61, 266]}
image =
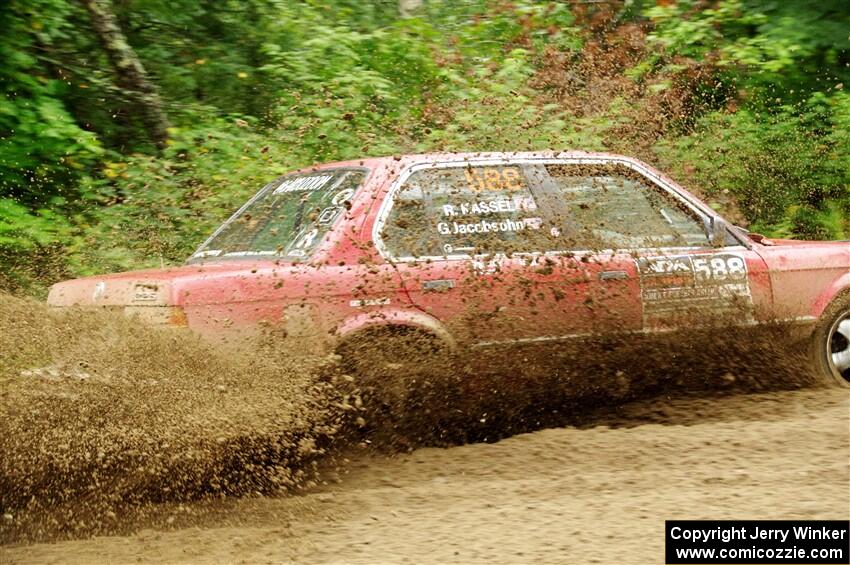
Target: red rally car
{"type": "Point", "coordinates": [486, 250]}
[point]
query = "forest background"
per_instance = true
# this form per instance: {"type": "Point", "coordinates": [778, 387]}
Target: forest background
{"type": "Point", "coordinates": [130, 128]}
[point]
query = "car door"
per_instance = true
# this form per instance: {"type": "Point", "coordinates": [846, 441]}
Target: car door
{"type": "Point", "coordinates": [478, 247]}
{"type": "Point", "coordinates": [683, 278]}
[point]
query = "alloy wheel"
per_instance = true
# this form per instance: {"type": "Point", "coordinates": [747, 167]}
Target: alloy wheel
{"type": "Point", "coordinates": [838, 347]}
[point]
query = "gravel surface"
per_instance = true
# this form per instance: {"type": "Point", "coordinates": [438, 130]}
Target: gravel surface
{"type": "Point", "coordinates": [595, 494]}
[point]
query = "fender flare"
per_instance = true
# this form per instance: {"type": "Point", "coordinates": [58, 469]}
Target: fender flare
{"type": "Point", "coordinates": [839, 287]}
{"type": "Point", "coordinates": [394, 317]}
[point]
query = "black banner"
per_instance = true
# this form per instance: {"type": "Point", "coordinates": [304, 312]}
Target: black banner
{"type": "Point", "coordinates": [763, 542]}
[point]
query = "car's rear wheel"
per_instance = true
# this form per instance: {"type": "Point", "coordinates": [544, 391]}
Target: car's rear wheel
{"type": "Point", "coordinates": [830, 347]}
{"type": "Point", "coordinates": [392, 364]}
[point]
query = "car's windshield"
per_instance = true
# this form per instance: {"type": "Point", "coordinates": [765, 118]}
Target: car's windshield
{"type": "Point", "coordinates": [287, 219]}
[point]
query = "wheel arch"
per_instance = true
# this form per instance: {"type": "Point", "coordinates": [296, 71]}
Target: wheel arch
{"type": "Point", "coordinates": [820, 348]}
{"type": "Point", "coordinates": [387, 319]}
{"type": "Point", "coordinates": [838, 290]}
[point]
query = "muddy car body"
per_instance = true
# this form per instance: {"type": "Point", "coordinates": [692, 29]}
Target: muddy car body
{"type": "Point", "coordinates": [482, 251]}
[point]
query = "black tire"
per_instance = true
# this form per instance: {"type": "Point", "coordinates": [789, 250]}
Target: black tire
{"type": "Point", "coordinates": [830, 339]}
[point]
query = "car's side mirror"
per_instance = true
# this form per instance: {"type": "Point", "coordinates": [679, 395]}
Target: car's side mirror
{"type": "Point", "coordinates": [719, 229]}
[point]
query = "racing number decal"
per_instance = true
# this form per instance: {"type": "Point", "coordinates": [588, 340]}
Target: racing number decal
{"type": "Point", "coordinates": [489, 178]}
{"type": "Point", "coordinates": [303, 243]}
{"type": "Point", "coordinates": [684, 286]}
{"type": "Point", "coordinates": [720, 268]}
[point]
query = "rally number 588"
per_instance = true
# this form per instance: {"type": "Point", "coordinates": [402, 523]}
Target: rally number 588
{"type": "Point", "coordinates": [720, 268]}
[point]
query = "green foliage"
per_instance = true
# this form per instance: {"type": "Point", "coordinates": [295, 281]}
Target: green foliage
{"type": "Point", "coordinates": [22, 230]}
{"type": "Point", "coordinates": [786, 178]}
{"type": "Point", "coordinates": [347, 87]}
{"type": "Point", "coordinates": [785, 154]}
{"type": "Point", "coordinates": [155, 209]}
{"type": "Point", "coordinates": [784, 50]}
{"type": "Point", "coordinates": [258, 87]}
{"type": "Point", "coordinates": [44, 153]}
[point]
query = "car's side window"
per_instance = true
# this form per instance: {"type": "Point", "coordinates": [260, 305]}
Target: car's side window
{"type": "Point", "coordinates": [613, 207]}
{"type": "Point", "coordinates": [463, 210]}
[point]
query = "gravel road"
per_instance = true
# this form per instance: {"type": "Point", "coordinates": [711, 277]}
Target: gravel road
{"type": "Point", "coordinates": [596, 494]}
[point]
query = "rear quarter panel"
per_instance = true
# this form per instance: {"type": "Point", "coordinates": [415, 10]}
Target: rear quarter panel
{"type": "Point", "coordinates": [309, 303]}
{"type": "Point", "coordinates": [317, 302]}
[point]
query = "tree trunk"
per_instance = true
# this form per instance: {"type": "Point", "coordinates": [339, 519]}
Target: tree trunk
{"type": "Point", "coordinates": [406, 8]}
{"type": "Point", "coordinates": [130, 73]}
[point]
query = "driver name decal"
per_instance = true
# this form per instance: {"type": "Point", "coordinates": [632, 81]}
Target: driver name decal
{"type": "Point", "coordinates": [676, 286]}
{"type": "Point", "coordinates": [484, 226]}
{"type": "Point", "coordinates": [502, 205]}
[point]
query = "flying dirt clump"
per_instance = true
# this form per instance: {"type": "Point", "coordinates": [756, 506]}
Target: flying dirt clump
{"type": "Point", "coordinates": [102, 414]}
{"type": "Point", "coordinates": [104, 417]}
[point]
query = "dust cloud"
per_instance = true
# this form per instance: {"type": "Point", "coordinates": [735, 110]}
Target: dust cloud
{"type": "Point", "coordinates": [103, 416]}
{"type": "Point", "coordinates": [107, 421]}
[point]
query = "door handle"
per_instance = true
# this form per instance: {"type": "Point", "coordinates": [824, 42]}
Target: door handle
{"type": "Point", "coordinates": [613, 275]}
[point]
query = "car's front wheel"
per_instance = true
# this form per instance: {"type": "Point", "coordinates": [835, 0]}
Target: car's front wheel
{"type": "Point", "coordinates": [830, 346]}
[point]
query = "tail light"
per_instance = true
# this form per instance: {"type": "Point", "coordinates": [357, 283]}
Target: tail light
{"type": "Point", "coordinates": [178, 317]}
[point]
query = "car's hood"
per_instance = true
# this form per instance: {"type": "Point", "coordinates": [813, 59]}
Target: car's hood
{"type": "Point", "coordinates": [152, 287]}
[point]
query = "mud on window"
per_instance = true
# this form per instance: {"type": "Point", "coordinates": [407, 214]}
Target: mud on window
{"type": "Point", "coordinates": [464, 210]}
{"type": "Point", "coordinates": [532, 208]}
{"type": "Point", "coordinates": [288, 219]}
{"type": "Point", "coordinates": [613, 207]}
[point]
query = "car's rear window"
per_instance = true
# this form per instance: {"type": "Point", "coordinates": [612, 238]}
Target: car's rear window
{"type": "Point", "coordinates": [288, 219]}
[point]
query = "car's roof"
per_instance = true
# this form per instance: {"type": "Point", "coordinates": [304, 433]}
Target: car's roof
{"type": "Point", "coordinates": [408, 159]}
{"type": "Point", "coordinates": [397, 163]}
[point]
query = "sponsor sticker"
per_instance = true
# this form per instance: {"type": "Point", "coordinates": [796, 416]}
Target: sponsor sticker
{"type": "Point", "coordinates": [342, 196]}
{"type": "Point", "coordinates": [145, 292]}
{"type": "Point", "coordinates": [673, 286]}
{"type": "Point", "coordinates": [304, 243]}
{"type": "Point", "coordinates": [328, 215]}
{"type": "Point", "coordinates": [305, 184]}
